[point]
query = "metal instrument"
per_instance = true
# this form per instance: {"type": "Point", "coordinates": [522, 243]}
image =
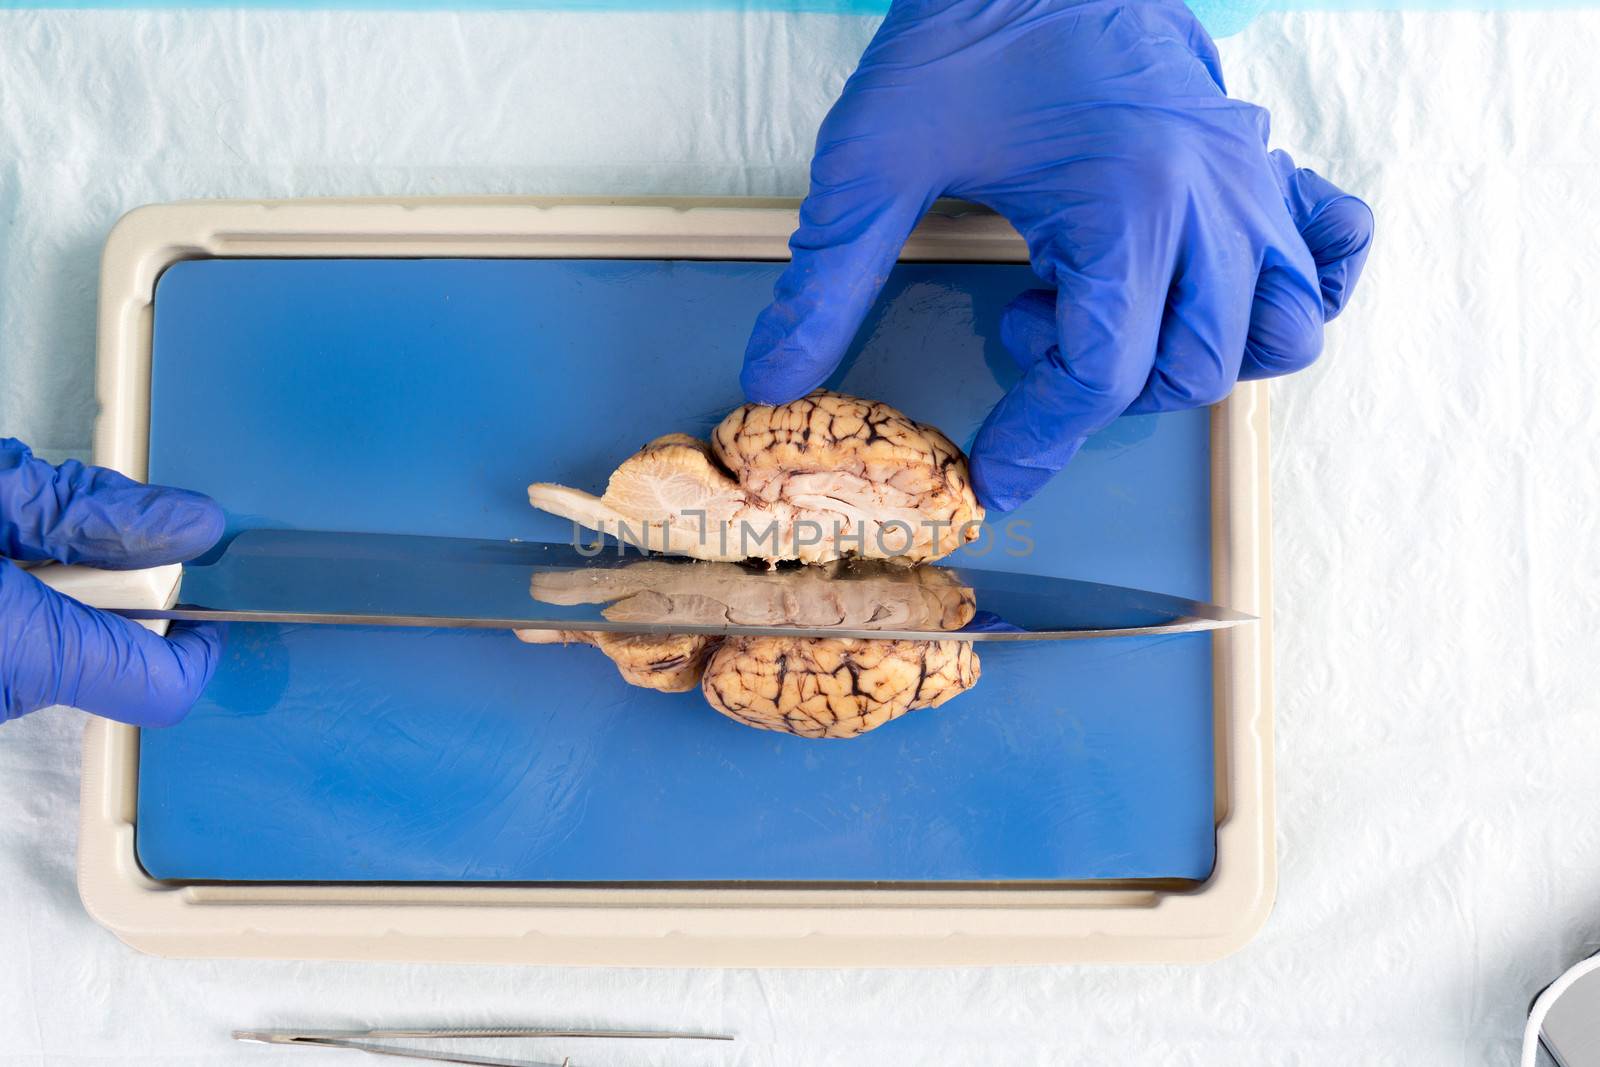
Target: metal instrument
{"type": "Point", "coordinates": [297, 576]}
{"type": "Point", "coordinates": [371, 1041]}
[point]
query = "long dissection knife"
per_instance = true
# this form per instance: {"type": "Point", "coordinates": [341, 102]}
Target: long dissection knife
{"type": "Point", "coordinates": [301, 576]}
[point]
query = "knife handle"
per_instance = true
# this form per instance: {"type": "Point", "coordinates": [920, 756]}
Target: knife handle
{"type": "Point", "coordinates": [153, 588]}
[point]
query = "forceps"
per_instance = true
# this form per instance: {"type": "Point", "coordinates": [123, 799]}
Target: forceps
{"type": "Point", "coordinates": [368, 1041]}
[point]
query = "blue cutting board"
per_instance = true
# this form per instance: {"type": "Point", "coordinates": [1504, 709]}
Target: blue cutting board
{"type": "Point", "coordinates": [423, 395]}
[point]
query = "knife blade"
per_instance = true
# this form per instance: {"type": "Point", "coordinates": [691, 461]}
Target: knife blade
{"type": "Point", "coordinates": [324, 577]}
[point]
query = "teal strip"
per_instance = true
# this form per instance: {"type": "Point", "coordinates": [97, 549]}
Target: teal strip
{"type": "Point", "coordinates": [1222, 18]}
{"type": "Point", "coordinates": [832, 7]}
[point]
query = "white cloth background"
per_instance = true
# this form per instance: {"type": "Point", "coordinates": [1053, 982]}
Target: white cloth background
{"type": "Point", "coordinates": [1437, 481]}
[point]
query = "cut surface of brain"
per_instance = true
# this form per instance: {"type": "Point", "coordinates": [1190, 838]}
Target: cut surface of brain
{"type": "Point", "coordinates": [822, 478]}
{"type": "Point", "coordinates": [851, 486]}
{"type": "Point", "coordinates": [844, 594]}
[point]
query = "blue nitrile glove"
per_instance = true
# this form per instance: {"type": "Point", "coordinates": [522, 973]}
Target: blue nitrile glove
{"type": "Point", "coordinates": [1182, 254]}
{"type": "Point", "coordinates": [53, 650]}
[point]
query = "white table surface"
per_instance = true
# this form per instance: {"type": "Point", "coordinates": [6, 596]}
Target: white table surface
{"type": "Point", "coordinates": [1437, 482]}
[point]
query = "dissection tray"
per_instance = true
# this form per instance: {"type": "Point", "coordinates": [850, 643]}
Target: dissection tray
{"type": "Point", "coordinates": [364, 366]}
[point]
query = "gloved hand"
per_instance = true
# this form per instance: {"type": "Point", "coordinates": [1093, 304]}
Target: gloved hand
{"type": "Point", "coordinates": [54, 650]}
{"type": "Point", "coordinates": [1182, 255]}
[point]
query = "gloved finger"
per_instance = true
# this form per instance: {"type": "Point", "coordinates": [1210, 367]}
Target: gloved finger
{"type": "Point", "coordinates": [1105, 346]}
{"type": "Point", "coordinates": [1203, 47]}
{"type": "Point", "coordinates": [57, 651]}
{"type": "Point", "coordinates": [1335, 226]}
{"type": "Point", "coordinates": [852, 227]}
{"type": "Point", "coordinates": [1285, 323]}
{"type": "Point", "coordinates": [1203, 330]}
{"type": "Point", "coordinates": [1028, 327]}
{"type": "Point", "coordinates": [80, 514]}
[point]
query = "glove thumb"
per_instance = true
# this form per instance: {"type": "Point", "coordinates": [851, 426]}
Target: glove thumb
{"type": "Point", "coordinates": [852, 227]}
{"type": "Point", "coordinates": [79, 514]}
{"type": "Point", "coordinates": [1336, 227]}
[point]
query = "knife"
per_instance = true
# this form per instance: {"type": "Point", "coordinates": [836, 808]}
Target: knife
{"type": "Point", "coordinates": [363, 579]}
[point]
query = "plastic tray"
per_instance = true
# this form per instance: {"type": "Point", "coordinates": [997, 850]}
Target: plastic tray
{"type": "Point", "coordinates": [730, 924]}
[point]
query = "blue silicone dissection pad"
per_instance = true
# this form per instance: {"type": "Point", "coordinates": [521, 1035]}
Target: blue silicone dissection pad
{"type": "Point", "coordinates": [422, 396]}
